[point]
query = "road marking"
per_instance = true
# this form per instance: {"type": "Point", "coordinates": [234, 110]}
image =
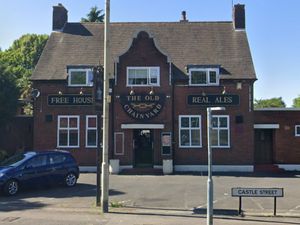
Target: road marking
{"type": "Point", "coordinates": [295, 208]}
{"type": "Point", "coordinates": [258, 204]}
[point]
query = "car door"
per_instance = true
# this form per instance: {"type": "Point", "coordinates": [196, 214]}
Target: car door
{"type": "Point", "coordinates": [57, 165]}
{"type": "Point", "coordinates": [36, 171]}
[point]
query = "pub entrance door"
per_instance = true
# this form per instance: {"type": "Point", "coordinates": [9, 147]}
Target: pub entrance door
{"type": "Point", "coordinates": [143, 148]}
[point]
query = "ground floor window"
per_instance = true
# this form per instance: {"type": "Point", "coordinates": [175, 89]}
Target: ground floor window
{"type": "Point", "coordinates": [220, 131]}
{"type": "Point", "coordinates": [91, 132]}
{"type": "Point", "coordinates": [68, 131]}
{"type": "Point", "coordinates": [190, 131]}
{"type": "Point", "coordinates": [297, 130]}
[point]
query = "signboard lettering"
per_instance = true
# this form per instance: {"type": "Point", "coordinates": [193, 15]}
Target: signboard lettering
{"type": "Point", "coordinates": [257, 192]}
{"type": "Point", "coordinates": [70, 100]}
{"type": "Point", "coordinates": [142, 106]}
{"type": "Point", "coordinates": [213, 100]}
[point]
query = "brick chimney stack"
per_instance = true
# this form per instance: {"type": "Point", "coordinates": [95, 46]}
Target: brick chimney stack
{"type": "Point", "coordinates": [238, 17]}
{"type": "Point", "coordinates": [59, 18]}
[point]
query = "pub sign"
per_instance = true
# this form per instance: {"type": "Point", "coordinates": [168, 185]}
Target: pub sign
{"type": "Point", "coordinates": [142, 106]}
{"type": "Point", "coordinates": [214, 100]}
{"type": "Point", "coordinates": [70, 100]}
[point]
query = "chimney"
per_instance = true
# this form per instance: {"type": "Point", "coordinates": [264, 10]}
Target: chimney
{"type": "Point", "coordinates": [60, 17]}
{"type": "Point", "coordinates": [183, 17]}
{"type": "Point", "coordinates": [238, 15]}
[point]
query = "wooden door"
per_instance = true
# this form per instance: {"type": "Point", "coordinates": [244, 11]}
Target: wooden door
{"type": "Point", "coordinates": [263, 146]}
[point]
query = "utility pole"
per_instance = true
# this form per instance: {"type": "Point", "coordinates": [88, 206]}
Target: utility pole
{"type": "Point", "coordinates": [106, 101]}
{"type": "Point", "coordinates": [210, 187]}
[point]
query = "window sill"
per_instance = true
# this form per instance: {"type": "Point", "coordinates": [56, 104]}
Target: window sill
{"type": "Point", "coordinates": [204, 85]}
{"type": "Point", "coordinates": [68, 146]}
{"type": "Point", "coordinates": [76, 86]}
{"type": "Point", "coordinates": [190, 147]}
{"type": "Point", "coordinates": [221, 147]}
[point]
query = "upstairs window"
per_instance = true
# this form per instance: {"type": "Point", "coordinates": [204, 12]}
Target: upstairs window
{"type": "Point", "coordinates": [80, 77]}
{"type": "Point", "coordinates": [204, 77]}
{"type": "Point", "coordinates": [143, 76]}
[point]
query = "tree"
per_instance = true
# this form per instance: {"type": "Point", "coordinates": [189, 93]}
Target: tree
{"type": "Point", "coordinates": [296, 102]}
{"type": "Point", "coordinates": [20, 60]}
{"type": "Point", "coordinates": [94, 15]}
{"type": "Point", "coordinates": [269, 103]}
{"type": "Point", "coordinates": [9, 94]}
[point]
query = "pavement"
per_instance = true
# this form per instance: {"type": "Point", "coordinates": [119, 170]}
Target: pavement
{"type": "Point", "coordinates": [154, 200]}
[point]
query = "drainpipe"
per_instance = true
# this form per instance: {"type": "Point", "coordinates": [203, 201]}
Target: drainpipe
{"type": "Point", "coordinates": [173, 116]}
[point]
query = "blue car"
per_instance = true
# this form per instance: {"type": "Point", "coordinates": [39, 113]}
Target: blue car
{"type": "Point", "coordinates": [31, 169]}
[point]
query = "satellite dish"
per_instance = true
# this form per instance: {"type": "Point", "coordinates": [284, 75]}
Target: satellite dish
{"type": "Point", "coordinates": [35, 93]}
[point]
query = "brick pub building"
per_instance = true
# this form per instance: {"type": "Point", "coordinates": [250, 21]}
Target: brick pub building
{"type": "Point", "coordinates": [163, 77]}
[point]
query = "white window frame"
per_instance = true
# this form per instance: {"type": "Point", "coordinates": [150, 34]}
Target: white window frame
{"type": "Point", "coordinates": [68, 128]}
{"type": "Point", "coordinates": [296, 133]}
{"type": "Point", "coordinates": [87, 128]}
{"type": "Point", "coordinates": [149, 84]}
{"type": "Point", "coordinates": [87, 83]}
{"type": "Point", "coordinates": [206, 70]}
{"type": "Point", "coordinates": [222, 128]}
{"type": "Point", "coordinates": [190, 129]}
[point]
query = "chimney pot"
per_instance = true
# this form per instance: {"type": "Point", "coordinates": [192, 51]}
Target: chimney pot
{"type": "Point", "coordinates": [59, 18]}
{"type": "Point", "coordinates": [238, 15]}
{"type": "Point", "coordinates": [183, 17]}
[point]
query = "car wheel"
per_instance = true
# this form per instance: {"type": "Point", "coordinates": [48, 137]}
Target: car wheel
{"type": "Point", "coordinates": [11, 187]}
{"type": "Point", "coordinates": [70, 180]}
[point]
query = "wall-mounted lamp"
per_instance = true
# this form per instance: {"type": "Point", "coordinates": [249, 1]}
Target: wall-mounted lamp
{"type": "Point", "coordinates": [151, 91]}
{"type": "Point", "coordinates": [81, 91]}
{"type": "Point", "coordinates": [60, 92]}
{"type": "Point", "coordinates": [224, 90]}
{"type": "Point", "coordinates": [131, 91]}
{"type": "Point", "coordinates": [203, 93]}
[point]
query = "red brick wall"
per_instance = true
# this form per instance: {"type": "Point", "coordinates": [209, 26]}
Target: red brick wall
{"type": "Point", "coordinates": [142, 53]}
{"type": "Point", "coordinates": [45, 133]}
{"type": "Point", "coordinates": [241, 135]}
{"type": "Point", "coordinates": [286, 146]}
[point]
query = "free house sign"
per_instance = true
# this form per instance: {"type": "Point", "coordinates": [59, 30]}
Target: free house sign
{"type": "Point", "coordinates": [142, 106]}
{"type": "Point", "coordinates": [70, 100]}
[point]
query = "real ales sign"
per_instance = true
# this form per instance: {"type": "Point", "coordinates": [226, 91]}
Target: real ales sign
{"type": "Point", "coordinates": [214, 100]}
{"type": "Point", "coordinates": [70, 100]}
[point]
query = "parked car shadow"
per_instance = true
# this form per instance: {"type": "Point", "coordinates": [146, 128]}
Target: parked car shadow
{"type": "Point", "coordinates": [35, 197]}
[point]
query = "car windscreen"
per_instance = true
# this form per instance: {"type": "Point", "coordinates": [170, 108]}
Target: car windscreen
{"type": "Point", "coordinates": [14, 160]}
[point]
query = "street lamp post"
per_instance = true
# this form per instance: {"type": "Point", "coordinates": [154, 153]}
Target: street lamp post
{"type": "Point", "coordinates": [210, 190]}
{"type": "Point", "coordinates": [106, 101]}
